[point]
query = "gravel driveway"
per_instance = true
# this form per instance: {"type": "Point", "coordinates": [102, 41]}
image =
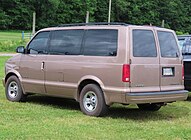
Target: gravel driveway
{"type": "Point", "coordinates": [8, 54]}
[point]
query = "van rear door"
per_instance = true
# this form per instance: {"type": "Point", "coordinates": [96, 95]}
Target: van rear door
{"type": "Point", "coordinates": [144, 74]}
{"type": "Point", "coordinates": [170, 62]}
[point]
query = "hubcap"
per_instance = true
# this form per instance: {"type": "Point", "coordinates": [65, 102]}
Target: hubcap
{"type": "Point", "coordinates": [90, 101]}
{"type": "Point", "coordinates": [13, 89]}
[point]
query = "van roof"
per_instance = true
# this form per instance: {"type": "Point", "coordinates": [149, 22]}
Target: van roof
{"type": "Point", "coordinates": [93, 24]}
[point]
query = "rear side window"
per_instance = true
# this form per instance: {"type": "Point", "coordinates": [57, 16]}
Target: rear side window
{"type": "Point", "coordinates": [144, 44]}
{"type": "Point", "coordinates": [102, 42]}
{"type": "Point", "coordinates": [168, 44]}
{"type": "Point", "coordinates": [66, 42]}
{"type": "Point", "coordinates": [39, 43]}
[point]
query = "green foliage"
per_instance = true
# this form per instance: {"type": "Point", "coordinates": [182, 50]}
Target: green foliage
{"type": "Point", "coordinates": [17, 14]}
{"type": "Point", "coordinates": [11, 45]}
{"type": "Point", "coordinates": [4, 20]}
{"type": "Point", "coordinates": [181, 33]}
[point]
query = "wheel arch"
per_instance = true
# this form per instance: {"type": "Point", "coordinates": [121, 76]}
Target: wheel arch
{"type": "Point", "coordinates": [14, 73]}
{"type": "Point", "coordinates": [11, 73]}
{"type": "Point", "coordinates": [88, 80]}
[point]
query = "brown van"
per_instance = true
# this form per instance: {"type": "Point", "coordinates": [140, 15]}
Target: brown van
{"type": "Point", "coordinates": [99, 64]}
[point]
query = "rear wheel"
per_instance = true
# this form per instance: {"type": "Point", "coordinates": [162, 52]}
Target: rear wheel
{"type": "Point", "coordinates": [149, 107]}
{"type": "Point", "coordinates": [13, 90]}
{"type": "Point", "coordinates": [92, 101]}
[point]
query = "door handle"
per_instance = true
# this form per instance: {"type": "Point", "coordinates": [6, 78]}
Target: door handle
{"type": "Point", "coordinates": [42, 66]}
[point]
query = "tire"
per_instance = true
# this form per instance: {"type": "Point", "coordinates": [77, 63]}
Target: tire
{"type": "Point", "coordinates": [149, 107]}
{"type": "Point", "coordinates": [13, 90]}
{"type": "Point", "coordinates": [92, 101]}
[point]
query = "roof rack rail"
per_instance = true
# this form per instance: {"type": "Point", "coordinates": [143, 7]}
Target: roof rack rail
{"type": "Point", "coordinates": [93, 23]}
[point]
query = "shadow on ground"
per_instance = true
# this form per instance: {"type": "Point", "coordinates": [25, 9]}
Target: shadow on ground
{"type": "Point", "coordinates": [54, 102]}
{"type": "Point", "coordinates": [139, 115]}
{"type": "Point", "coordinates": [116, 112]}
{"type": "Point", "coordinates": [189, 97]}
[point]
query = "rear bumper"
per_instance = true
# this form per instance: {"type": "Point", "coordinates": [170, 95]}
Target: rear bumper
{"type": "Point", "coordinates": [157, 97]}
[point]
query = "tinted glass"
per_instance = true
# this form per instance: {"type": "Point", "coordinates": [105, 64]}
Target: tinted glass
{"type": "Point", "coordinates": [101, 43]}
{"type": "Point", "coordinates": [181, 42]}
{"type": "Point", "coordinates": [39, 43]}
{"type": "Point", "coordinates": [66, 42]}
{"type": "Point", "coordinates": [144, 44]}
{"type": "Point", "coordinates": [186, 48]}
{"type": "Point", "coordinates": [168, 44]}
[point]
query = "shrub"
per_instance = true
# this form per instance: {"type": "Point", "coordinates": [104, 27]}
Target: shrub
{"type": "Point", "coordinates": [11, 45]}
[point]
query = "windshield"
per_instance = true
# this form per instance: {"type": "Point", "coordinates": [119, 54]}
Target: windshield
{"type": "Point", "coordinates": [185, 45]}
{"type": "Point", "coordinates": [180, 42]}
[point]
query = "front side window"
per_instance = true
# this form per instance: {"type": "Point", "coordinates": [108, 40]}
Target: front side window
{"type": "Point", "coordinates": [39, 43]}
{"type": "Point", "coordinates": [168, 44]}
{"type": "Point", "coordinates": [66, 42]}
{"type": "Point", "coordinates": [101, 42]}
{"type": "Point", "coordinates": [144, 43]}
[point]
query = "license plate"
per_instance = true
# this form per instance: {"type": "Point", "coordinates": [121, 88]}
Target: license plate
{"type": "Point", "coordinates": [168, 71]}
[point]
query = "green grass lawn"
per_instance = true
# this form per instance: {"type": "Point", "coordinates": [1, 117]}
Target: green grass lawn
{"type": "Point", "coordinates": [10, 36]}
{"type": "Point", "coordinates": [55, 118]}
{"type": "Point", "coordinates": [10, 40]}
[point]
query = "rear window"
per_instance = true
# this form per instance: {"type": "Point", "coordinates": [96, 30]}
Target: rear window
{"type": "Point", "coordinates": [168, 44]}
{"type": "Point", "coordinates": [102, 42]}
{"type": "Point", "coordinates": [144, 44]}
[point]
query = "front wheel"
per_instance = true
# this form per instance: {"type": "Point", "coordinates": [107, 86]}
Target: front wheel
{"type": "Point", "coordinates": [149, 107]}
{"type": "Point", "coordinates": [92, 101]}
{"type": "Point", "coordinates": [13, 90]}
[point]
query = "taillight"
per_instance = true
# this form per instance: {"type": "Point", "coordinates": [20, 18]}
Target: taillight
{"type": "Point", "coordinates": [126, 73]}
{"type": "Point", "coordinates": [182, 72]}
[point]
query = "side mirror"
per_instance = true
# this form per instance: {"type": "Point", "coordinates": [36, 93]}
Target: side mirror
{"type": "Point", "coordinates": [20, 49]}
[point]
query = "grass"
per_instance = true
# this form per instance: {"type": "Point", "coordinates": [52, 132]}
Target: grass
{"type": "Point", "coordinates": [44, 117]}
{"type": "Point", "coordinates": [4, 36]}
{"type": "Point", "coordinates": [10, 40]}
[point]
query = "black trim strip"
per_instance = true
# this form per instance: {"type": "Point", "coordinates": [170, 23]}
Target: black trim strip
{"type": "Point", "coordinates": [157, 93]}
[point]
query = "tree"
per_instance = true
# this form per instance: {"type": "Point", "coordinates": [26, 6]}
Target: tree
{"type": "Point", "coordinates": [17, 14]}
